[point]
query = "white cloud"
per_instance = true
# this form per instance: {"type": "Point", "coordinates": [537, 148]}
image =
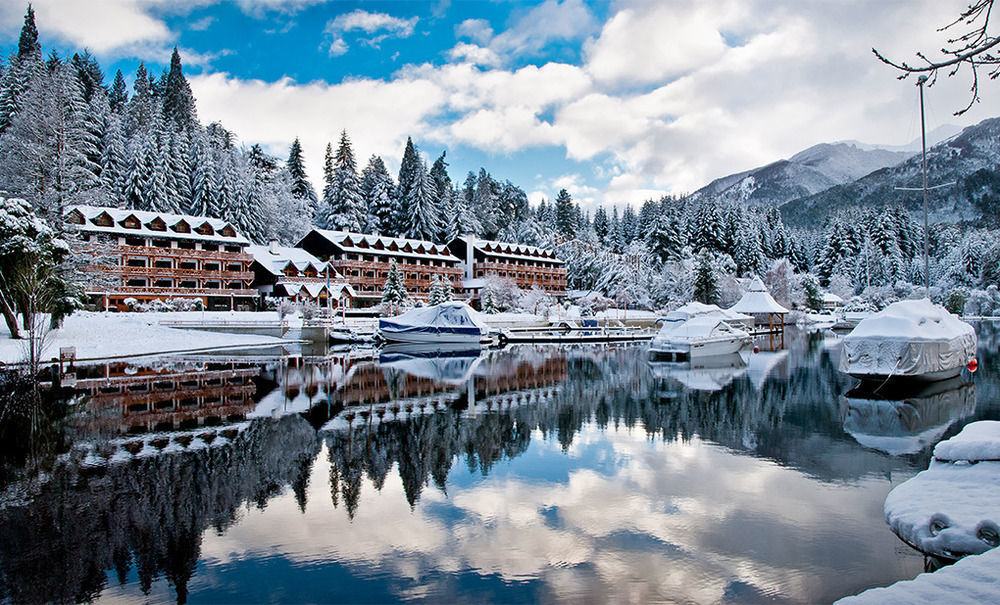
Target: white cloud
{"type": "Point", "coordinates": [474, 54]}
{"type": "Point", "coordinates": [386, 26]}
{"type": "Point", "coordinates": [477, 30]}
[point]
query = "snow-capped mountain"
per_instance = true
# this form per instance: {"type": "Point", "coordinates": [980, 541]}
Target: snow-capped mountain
{"type": "Point", "coordinates": [971, 160]}
{"type": "Point", "coordinates": [808, 172]}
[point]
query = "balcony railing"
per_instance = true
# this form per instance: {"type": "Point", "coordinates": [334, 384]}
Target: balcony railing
{"type": "Point", "coordinates": [158, 291]}
{"type": "Point", "coordinates": [151, 251]}
{"type": "Point", "coordinates": [163, 272]}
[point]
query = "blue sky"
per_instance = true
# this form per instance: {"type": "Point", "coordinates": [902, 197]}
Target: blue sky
{"type": "Point", "coordinates": [617, 101]}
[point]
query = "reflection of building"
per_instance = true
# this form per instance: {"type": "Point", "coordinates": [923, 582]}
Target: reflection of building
{"type": "Point", "coordinates": [294, 274]}
{"type": "Point", "coordinates": [364, 260]}
{"type": "Point", "coordinates": [126, 399]}
{"type": "Point", "coordinates": [526, 266]}
{"type": "Point", "coordinates": [156, 255]}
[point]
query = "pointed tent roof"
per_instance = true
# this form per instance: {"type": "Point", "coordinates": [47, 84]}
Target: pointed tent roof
{"type": "Point", "coordinates": [757, 300]}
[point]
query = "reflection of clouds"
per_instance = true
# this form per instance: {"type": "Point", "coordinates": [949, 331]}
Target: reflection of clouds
{"type": "Point", "coordinates": [665, 520]}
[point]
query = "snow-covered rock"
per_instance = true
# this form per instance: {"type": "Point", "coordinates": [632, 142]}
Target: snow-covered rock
{"type": "Point", "coordinates": [978, 441]}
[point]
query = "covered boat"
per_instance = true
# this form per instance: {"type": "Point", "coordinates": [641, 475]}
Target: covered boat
{"type": "Point", "coordinates": [701, 374]}
{"type": "Point", "coordinates": [698, 337]}
{"type": "Point", "coordinates": [450, 364]}
{"type": "Point", "coordinates": [913, 339]}
{"type": "Point", "coordinates": [450, 322]}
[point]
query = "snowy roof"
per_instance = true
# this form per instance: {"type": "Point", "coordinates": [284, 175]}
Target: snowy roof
{"type": "Point", "coordinates": [697, 328]}
{"type": "Point", "coordinates": [757, 300]}
{"type": "Point", "coordinates": [830, 297]}
{"type": "Point", "coordinates": [275, 259]}
{"type": "Point", "coordinates": [155, 224]}
{"type": "Point", "coordinates": [521, 251]}
{"type": "Point", "coordinates": [314, 289]}
{"type": "Point", "coordinates": [362, 243]}
{"type": "Point", "coordinates": [697, 309]}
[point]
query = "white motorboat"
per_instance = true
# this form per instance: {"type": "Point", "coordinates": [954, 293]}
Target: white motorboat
{"type": "Point", "coordinates": [910, 339]}
{"type": "Point", "coordinates": [701, 374]}
{"type": "Point", "coordinates": [698, 337]}
{"type": "Point", "coordinates": [447, 323]}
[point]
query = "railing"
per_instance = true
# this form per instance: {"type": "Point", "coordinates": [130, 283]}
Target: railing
{"type": "Point", "coordinates": [525, 269]}
{"type": "Point", "coordinates": [156, 290]}
{"type": "Point", "coordinates": [159, 272]}
{"type": "Point", "coordinates": [219, 255]}
{"type": "Point", "coordinates": [404, 267]}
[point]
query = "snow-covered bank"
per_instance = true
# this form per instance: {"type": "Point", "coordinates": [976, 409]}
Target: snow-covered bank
{"type": "Point", "coordinates": [101, 335]}
{"type": "Point", "coordinates": [953, 508]}
{"type": "Point", "coordinates": [972, 580]}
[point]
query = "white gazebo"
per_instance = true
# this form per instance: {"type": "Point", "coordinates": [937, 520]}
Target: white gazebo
{"type": "Point", "coordinates": [758, 302]}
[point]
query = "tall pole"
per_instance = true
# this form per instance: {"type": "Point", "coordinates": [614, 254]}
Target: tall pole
{"type": "Point", "coordinates": [923, 162]}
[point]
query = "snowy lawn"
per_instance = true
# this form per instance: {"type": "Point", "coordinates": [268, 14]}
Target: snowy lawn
{"type": "Point", "coordinates": [99, 335]}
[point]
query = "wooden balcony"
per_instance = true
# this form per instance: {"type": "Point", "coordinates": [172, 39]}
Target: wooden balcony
{"type": "Point", "coordinates": [177, 292]}
{"type": "Point", "coordinates": [181, 253]}
{"type": "Point", "coordinates": [527, 270]}
{"type": "Point", "coordinates": [160, 273]}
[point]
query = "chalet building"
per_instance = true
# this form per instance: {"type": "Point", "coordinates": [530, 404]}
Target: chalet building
{"type": "Point", "coordinates": [364, 261]}
{"type": "Point", "coordinates": [527, 266]}
{"type": "Point", "coordinates": [157, 255]}
{"type": "Point", "coordinates": [294, 274]}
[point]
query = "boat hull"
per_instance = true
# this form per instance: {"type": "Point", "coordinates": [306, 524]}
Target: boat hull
{"type": "Point", "coordinates": [710, 348]}
{"type": "Point", "coordinates": [430, 339]}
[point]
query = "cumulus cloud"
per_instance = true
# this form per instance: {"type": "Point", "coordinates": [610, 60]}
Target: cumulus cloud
{"type": "Point", "coordinates": [378, 26]}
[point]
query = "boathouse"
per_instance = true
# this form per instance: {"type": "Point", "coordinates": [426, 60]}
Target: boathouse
{"type": "Point", "coordinates": [759, 303]}
{"type": "Point", "coordinates": [288, 273]}
{"type": "Point", "coordinates": [527, 266]}
{"type": "Point", "coordinates": [148, 256]}
{"type": "Point", "coordinates": [364, 261]}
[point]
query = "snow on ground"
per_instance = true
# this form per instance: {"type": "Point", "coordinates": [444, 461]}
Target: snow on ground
{"type": "Point", "coordinates": [99, 335]}
{"type": "Point", "coordinates": [971, 580]}
{"type": "Point", "coordinates": [953, 508]}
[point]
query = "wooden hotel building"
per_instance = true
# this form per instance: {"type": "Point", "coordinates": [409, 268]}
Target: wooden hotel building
{"type": "Point", "coordinates": [156, 255]}
{"type": "Point", "coordinates": [526, 266]}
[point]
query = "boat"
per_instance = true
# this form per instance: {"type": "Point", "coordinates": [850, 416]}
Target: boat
{"type": "Point", "coordinates": [698, 337]}
{"type": "Point", "coordinates": [451, 322]}
{"type": "Point", "coordinates": [909, 339]}
{"type": "Point", "coordinates": [447, 364]}
{"type": "Point", "coordinates": [701, 374]}
{"type": "Point", "coordinates": [697, 309]}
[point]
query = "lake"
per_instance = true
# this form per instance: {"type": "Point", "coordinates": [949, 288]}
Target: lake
{"type": "Point", "coordinates": [548, 474]}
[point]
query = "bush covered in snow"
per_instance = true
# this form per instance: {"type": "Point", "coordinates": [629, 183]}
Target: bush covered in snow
{"type": "Point", "coordinates": [170, 304]}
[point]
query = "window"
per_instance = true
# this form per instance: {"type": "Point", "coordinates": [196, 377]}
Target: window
{"type": "Point", "coordinates": [136, 262]}
{"type": "Point", "coordinates": [161, 243]}
{"type": "Point", "coordinates": [135, 241]}
{"type": "Point", "coordinates": [231, 248]}
{"type": "Point", "coordinates": [163, 264]}
{"type": "Point", "coordinates": [188, 265]}
{"type": "Point", "coordinates": [136, 282]}
{"type": "Point", "coordinates": [164, 283]}
{"type": "Point", "coordinates": [213, 285]}
{"type": "Point", "coordinates": [211, 266]}
{"type": "Point", "coordinates": [234, 267]}
{"type": "Point", "coordinates": [189, 283]}
{"type": "Point", "coordinates": [235, 285]}
{"type": "Point", "coordinates": [185, 245]}
{"type": "Point", "coordinates": [210, 247]}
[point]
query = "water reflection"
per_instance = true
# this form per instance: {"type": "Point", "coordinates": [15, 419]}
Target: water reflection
{"type": "Point", "coordinates": [537, 473]}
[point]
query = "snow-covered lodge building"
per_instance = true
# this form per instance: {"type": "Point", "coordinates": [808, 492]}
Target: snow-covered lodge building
{"type": "Point", "coordinates": [157, 255]}
{"type": "Point", "coordinates": [294, 274]}
{"type": "Point", "coordinates": [364, 261]}
{"type": "Point", "coordinates": [527, 266]}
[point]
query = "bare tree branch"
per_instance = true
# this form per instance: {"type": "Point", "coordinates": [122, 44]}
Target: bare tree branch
{"type": "Point", "coordinates": [972, 48]}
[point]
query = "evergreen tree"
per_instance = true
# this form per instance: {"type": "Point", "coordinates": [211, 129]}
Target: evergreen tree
{"type": "Point", "coordinates": [345, 208]}
{"type": "Point", "coordinates": [89, 73]}
{"type": "Point", "coordinates": [709, 230]}
{"type": "Point", "coordinates": [488, 301]}
{"type": "Point", "coordinates": [665, 240]}
{"type": "Point", "coordinates": [441, 291]}
{"type": "Point", "coordinates": [706, 287]}
{"type": "Point", "coordinates": [377, 189]}
{"type": "Point", "coordinates": [301, 188]}
{"type": "Point", "coordinates": [408, 168]}
{"type": "Point", "coordinates": [748, 252]}
{"type": "Point", "coordinates": [118, 97]}
{"type": "Point", "coordinates": [565, 223]}
{"type": "Point", "coordinates": [483, 204]}
{"type": "Point", "coordinates": [178, 101]}
{"type": "Point", "coordinates": [422, 220]}
{"type": "Point", "coordinates": [601, 225]}
{"type": "Point", "coordinates": [810, 286]}
{"type": "Point", "coordinates": [27, 45]}
{"type": "Point", "coordinates": [394, 292]}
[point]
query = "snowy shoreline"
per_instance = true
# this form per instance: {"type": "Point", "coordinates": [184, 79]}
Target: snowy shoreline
{"type": "Point", "coordinates": [114, 335]}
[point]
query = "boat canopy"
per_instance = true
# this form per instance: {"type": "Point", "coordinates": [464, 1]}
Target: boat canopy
{"type": "Point", "coordinates": [700, 327]}
{"type": "Point", "coordinates": [447, 318]}
{"type": "Point", "coordinates": [697, 309]}
{"type": "Point", "coordinates": [441, 365]}
{"type": "Point", "coordinates": [908, 338]}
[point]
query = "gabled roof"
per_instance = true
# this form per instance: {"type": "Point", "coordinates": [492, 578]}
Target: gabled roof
{"type": "Point", "coordinates": [518, 251]}
{"type": "Point", "coordinates": [757, 300]}
{"type": "Point", "coordinates": [393, 246]}
{"type": "Point", "coordinates": [117, 215]}
{"type": "Point", "coordinates": [277, 260]}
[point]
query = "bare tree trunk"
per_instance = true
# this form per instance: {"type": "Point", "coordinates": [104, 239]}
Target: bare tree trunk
{"type": "Point", "coordinates": [9, 317]}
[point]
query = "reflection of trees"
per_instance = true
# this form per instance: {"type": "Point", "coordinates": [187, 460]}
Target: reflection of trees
{"type": "Point", "coordinates": [147, 514]}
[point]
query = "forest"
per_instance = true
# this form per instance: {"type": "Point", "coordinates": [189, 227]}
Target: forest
{"type": "Point", "coordinates": [69, 136]}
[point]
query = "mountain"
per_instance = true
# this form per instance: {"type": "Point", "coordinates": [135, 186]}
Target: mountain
{"type": "Point", "coordinates": [971, 160]}
{"type": "Point", "coordinates": [935, 136]}
{"type": "Point", "coordinates": [805, 173]}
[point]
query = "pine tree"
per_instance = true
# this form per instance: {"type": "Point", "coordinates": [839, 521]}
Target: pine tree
{"type": "Point", "coordinates": [422, 220]}
{"type": "Point", "coordinates": [665, 240]}
{"type": "Point", "coordinates": [709, 230]}
{"type": "Point", "coordinates": [483, 204]}
{"type": "Point", "coordinates": [565, 223]}
{"type": "Point", "coordinates": [601, 225]}
{"type": "Point", "coordinates": [377, 189]}
{"type": "Point", "coordinates": [408, 168]}
{"type": "Point", "coordinates": [706, 287]}
{"type": "Point", "coordinates": [488, 301]}
{"type": "Point", "coordinates": [441, 291]}
{"type": "Point", "coordinates": [344, 206]}
{"type": "Point", "coordinates": [178, 102]}
{"type": "Point", "coordinates": [27, 45]}
{"type": "Point", "coordinates": [810, 286]}
{"type": "Point", "coordinates": [118, 96]}
{"type": "Point", "coordinates": [394, 292]}
{"type": "Point", "coordinates": [301, 187]}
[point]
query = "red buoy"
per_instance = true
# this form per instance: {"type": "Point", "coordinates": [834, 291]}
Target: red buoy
{"type": "Point", "coordinates": [973, 366]}
{"type": "Point", "coordinates": [756, 349]}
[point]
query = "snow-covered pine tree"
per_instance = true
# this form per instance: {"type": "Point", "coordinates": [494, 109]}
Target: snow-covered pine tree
{"type": "Point", "coordinates": [488, 301]}
{"type": "Point", "coordinates": [343, 201]}
{"type": "Point", "coordinates": [483, 204]}
{"type": "Point", "coordinates": [565, 215]}
{"type": "Point", "coordinates": [601, 224]}
{"type": "Point", "coordinates": [706, 286]}
{"type": "Point", "coordinates": [178, 101]}
{"type": "Point", "coordinates": [665, 241]}
{"type": "Point", "coordinates": [748, 250]}
{"type": "Point", "coordinates": [377, 189]}
{"type": "Point", "coordinates": [630, 225]}
{"type": "Point", "coordinates": [708, 231]}
{"type": "Point", "coordinates": [394, 293]}
{"type": "Point", "coordinates": [408, 168]}
{"type": "Point", "coordinates": [301, 187]}
{"type": "Point", "coordinates": [810, 287]}
{"type": "Point", "coordinates": [118, 95]}
{"type": "Point", "coordinates": [422, 220]}
{"type": "Point", "coordinates": [441, 291]}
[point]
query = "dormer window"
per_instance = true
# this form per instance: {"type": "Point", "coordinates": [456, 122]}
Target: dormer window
{"type": "Point", "coordinates": [156, 224]}
{"type": "Point", "coordinates": [182, 227]}
{"type": "Point", "coordinates": [75, 217]}
{"type": "Point", "coordinates": [205, 229]}
{"type": "Point", "coordinates": [227, 231]}
{"type": "Point", "coordinates": [130, 222]}
{"type": "Point", "coordinates": [103, 220]}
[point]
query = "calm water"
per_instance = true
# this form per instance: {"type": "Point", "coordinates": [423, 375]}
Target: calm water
{"type": "Point", "coordinates": [547, 474]}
